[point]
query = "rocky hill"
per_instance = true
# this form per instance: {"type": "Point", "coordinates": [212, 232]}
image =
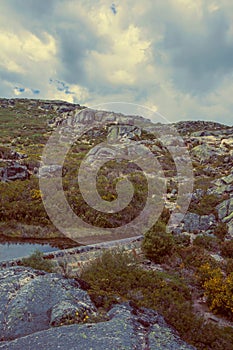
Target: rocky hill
{"type": "Point", "coordinates": [27, 124]}
{"type": "Point", "coordinates": [185, 274]}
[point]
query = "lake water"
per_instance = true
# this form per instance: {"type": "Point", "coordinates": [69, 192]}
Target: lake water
{"type": "Point", "coordinates": [10, 250]}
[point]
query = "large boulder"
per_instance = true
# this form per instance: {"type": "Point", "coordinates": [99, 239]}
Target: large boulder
{"type": "Point", "coordinates": [31, 301]}
{"type": "Point", "coordinates": [127, 328]}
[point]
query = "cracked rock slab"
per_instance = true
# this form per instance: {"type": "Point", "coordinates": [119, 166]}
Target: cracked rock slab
{"type": "Point", "coordinates": [31, 301]}
{"type": "Point", "coordinates": [127, 329]}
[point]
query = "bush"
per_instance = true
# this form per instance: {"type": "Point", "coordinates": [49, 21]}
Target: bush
{"type": "Point", "coordinates": [219, 292]}
{"type": "Point", "coordinates": [207, 242]}
{"type": "Point", "coordinates": [229, 266]}
{"type": "Point", "coordinates": [194, 256]}
{"type": "Point", "coordinates": [221, 230]}
{"type": "Point", "coordinates": [182, 240]}
{"type": "Point", "coordinates": [218, 289]}
{"type": "Point", "coordinates": [36, 261]}
{"type": "Point", "coordinates": [206, 205]}
{"type": "Point", "coordinates": [157, 243]}
{"type": "Point", "coordinates": [116, 276]}
{"type": "Point", "coordinates": [114, 270]}
{"type": "Point", "coordinates": [227, 249]}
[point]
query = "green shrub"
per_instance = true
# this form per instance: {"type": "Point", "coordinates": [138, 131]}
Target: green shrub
{"type": "Point", "coordinates": [194, 256]}
{"type": "Point", "coordinates": [221, 230]}
{"type": "Point", "coordinates": [207, 242]}
{"type": "Point", "coordinates": [116, 276]}
{"type": "Point", "coordinates": [229, 266]}
{"type": "Point", "coordinates": [218, 289]}
{"type": "Point", "coordinates": [157, 243]}
{"type": "Point", "coordinates": [182, 240]}
{"type": "Point", "coordinates": [206, 205]}
{"type": "Point", "coordinates": [227, 249]}
{"type": "Point", "coordinates": [36, 261]}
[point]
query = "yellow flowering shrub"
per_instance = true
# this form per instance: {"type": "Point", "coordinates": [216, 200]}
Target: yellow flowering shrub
{"type": "Point", "coordinates": [35, 194]}
{"type": "Point", "coordinates": [218, 289]}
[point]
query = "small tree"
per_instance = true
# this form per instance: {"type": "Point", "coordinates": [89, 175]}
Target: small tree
{"type": "Point", "coordinates": [157, 243]}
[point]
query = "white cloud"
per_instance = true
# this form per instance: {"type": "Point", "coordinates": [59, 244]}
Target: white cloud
{"type": "Point", "coordinates": [18, 49]}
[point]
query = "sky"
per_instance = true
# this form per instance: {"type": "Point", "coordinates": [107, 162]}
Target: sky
{"type": "Point", "coordinates": [172, 56]}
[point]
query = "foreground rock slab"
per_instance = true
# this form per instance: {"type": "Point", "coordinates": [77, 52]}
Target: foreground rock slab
{"type": "Point", "coordinates": [32, 300]}
{"type": "Point", "coordinates": [127, 329]}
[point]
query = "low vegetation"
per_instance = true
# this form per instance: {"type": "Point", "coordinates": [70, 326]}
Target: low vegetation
{"type": "Point", "coordinates": [36, 261]}
{"type": "Point", "coordinates": [158, 243]}
{"type": "Point", "coordinates": [117, 276]}
{"type": "Point", "coordinates": [218, 289]}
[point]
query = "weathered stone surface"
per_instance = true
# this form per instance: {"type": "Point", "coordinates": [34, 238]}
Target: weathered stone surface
{"type": "Point", "coordinates": [225, 214]}
{"type": "Point", "coordinates": [225, 208]}
{"type": "Point", "coordinates": [193, 222]}
{"type": "Point", "coordinates": [116, 132]}
{"type": "Point", "coordinates": [204, 152]}
{"type": "Point", "coordinates": [85, 117]}
{"type": "Point", "coordinates": [228, 179]}
{"type": "Point", "coordinates": [31, 301]}
{"type": "Point", "coordinates": [230, 228]}
{"type": "Point", "coordinates": [222, 185]}
{"type": "Point", "coordinates": [227, 143]}
{"type": "Point", "coordinates": [127, 328]}
{"type": "Point", "coordinates": [206, 222]}
{"type": "Point", "coordinates": [197, 195]}
{"type": "Point", "coordinates": [14, 172]}
{"type": "Point", "coordinates": [220, 189]}
{"type": "Point", "coordinates": [66, 310]}
{"type": "Point", "coordinates": [51, 170]}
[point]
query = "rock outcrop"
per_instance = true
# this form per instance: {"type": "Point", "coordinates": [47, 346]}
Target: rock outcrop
{"type": "Point", "coordinates": [116, 132]}
{"type": "Point", "coordinates": [13, 172]}
{"type": "Point", "coordinates": [210, 146]}
{"type": "Point", "coordinates": [195, 223]}
{"type": "Point", "coordinates": [34, 306]}
{"type": "Point", "coordinates": [225, 213]}
{"type": "Point", "coordinates": [31, 301]}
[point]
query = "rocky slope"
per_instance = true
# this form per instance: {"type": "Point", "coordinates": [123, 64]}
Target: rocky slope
{"type": "Point", "coordinates": [209, 144]}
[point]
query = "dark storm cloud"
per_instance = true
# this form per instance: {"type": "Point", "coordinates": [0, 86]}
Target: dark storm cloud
{"type": "Point", "coordinates": [200, 59]}
{"type": "Point", "coordinates": [6, 75]}
{"type": "Point", "coordinates": [35, 16]}
{"type": "Point", "coordinates": [73, 46]}
{"type": "Point", "coordinates": [75, 40]}
{"type": "Point", "coordinates": [74, 35]}
{"type": "Point", "coordinates": [33, 9]}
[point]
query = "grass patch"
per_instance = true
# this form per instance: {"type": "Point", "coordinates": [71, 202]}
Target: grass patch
{"type": "Point", "coordinates": [36, 261]}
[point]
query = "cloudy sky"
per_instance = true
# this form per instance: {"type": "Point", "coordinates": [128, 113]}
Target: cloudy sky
{"type": "Point", "coordinates": [174, 56]}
